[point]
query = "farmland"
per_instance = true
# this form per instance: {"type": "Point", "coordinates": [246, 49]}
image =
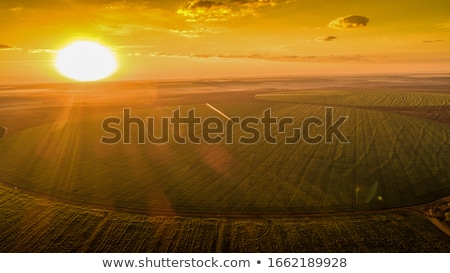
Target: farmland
{"type": "Point", "coordinates": [238, 178]}
{"type": "Point", "coordinates": [360, 98]}
{"type": "Point", "coordinates": [33, 224]}
{"type": "Point", "coordinates": [326, 197]}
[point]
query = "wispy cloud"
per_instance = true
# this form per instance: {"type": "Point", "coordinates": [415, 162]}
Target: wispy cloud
{"type": "Point", "coordinates": [197, 31]}
{"type": "Point", "coordinates": [350, 21]}
{"type": "Point", "coordinates": [326, 38]}
{"type": "Point", "coordinates": [276, 58]}
{"type": "Point", "coordinates": [256, 3]}
{"type": "Point", "coordinates": [31, 51]}
{"type": "Point", "coordinates": [190, 32]}
{"type": "Point", "coordinates": [432, 41]}
{"type": "Point", "coordinates": [123, 29]}
{"type": "Point", "coordinates": [40, 50]}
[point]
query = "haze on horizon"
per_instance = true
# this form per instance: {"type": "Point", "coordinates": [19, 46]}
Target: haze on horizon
{"type": "Point", "coordinates": [210, 38]}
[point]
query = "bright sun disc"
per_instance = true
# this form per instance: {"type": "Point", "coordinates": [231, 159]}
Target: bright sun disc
{"type": "Point", "coordinates": [86, 61]}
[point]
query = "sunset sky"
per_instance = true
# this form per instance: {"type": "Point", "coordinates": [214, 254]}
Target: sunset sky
{"type": "Point", "coordinates": [177, 39]}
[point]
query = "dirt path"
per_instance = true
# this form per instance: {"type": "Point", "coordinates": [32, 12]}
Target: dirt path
{"type": "Point", "coordinates": [435, 212]}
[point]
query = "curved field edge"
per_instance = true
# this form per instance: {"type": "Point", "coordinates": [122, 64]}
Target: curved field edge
{"type": "Point", "coordinates": [391, 161]}
{"type": "Point", "coordinates": [34, 224]}
{"type": "Point", "coordinates": [353, 98]}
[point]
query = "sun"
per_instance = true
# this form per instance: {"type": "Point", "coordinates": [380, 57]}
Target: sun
{"type": "Point", "coordinates": [86, 61]}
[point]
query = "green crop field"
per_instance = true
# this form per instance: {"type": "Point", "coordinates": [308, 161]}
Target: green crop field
{"type": "Point", "coordinates": [361, 98]}
{"type": "Point", "coordinates": [390, 161]}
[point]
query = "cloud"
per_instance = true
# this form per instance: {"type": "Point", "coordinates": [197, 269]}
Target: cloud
{"type": "Point", "coordinates": [199, 10]}
{"type": "Point", "coordinates": [276, 58]}
{"type": "Point", "coordinates": [432, 41]}
{"type": "Point", "coordinates": [5, 47]}
{"type": "Point", "coordinates": [189, 33]}
{"type": "Point", "coordinates": [8, 47]}
{"type": "Point", "coordinates": [350, 21]}
{"type": "Point", "coordinates": [32, 51]}
{"type": "Point", "coordinates": [312, 58]}
{"type": "Point", "coordinates": [255, 3]}
{"type": "Point", "coordinates": [203, 4]}
{"type": "Point", "coordinates": [213, 11]}
{"type": "Point", "coordinates": [326, 38]}
{"type": "Point", "coordinates": [40, 50]}
{"type": "Point", "coordinates": [118, 29]}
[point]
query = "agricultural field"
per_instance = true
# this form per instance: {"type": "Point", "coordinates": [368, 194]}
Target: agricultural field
{"type": "Point", "coordinates": [64, 190]}
{"type": "Point", "coordinates": [34, 224]}
{"type": "Point", "coordinates": [238, 178]}
{"type": "Point", "coordinates": [360, 98]}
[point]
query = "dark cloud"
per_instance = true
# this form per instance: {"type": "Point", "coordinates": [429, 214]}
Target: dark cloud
{"type": "Point", "coordinates": [326, 38]}
{"type": "Point", "coordinates": [209, 10]}
{"type": "Point", "coordinates": [255, 4]}
{"type": "Point", "coordinates": [203, 4]}
{"type": "Point", "coordinates": [252, 2]}
{"type": "Point", "coordinates": [200, 10]}
{"type": "Point", "coordinates": [5, 46]}
{"type": "Point", "coordinates": [432, 41]}
{"type": "Point", "coordinates": [350, 21]}
{"type": "Point", "coordinates": [8, 47]}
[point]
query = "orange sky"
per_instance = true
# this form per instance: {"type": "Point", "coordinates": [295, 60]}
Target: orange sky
{"type": "Point", "coordinates": [196, 39]}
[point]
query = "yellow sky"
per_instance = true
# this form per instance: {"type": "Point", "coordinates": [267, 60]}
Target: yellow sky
{"type": "Point", "coordinates": [197, 39]}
